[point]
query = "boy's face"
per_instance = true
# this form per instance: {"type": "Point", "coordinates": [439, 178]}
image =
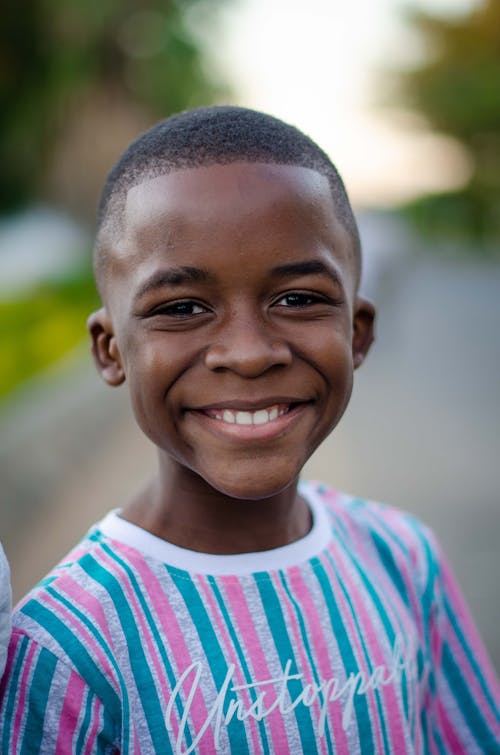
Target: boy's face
{"type": "Point", "coordinates": [231, 311]}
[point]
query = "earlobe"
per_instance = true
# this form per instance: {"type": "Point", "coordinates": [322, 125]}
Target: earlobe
{"type": "Point", "coordinates": [104, 348]}
{"type": "Point", "coordinates": [363, 330]}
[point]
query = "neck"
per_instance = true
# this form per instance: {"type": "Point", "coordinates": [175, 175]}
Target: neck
{"type": "Point", "coordinates": [184, 509]}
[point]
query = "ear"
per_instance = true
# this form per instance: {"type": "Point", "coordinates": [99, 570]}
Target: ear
{"type": "Point", "coordinates": [104, 347]}
{"type": "Point", "coordinates": [363, 330]}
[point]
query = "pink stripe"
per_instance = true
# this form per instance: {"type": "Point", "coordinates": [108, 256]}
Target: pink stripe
{"type": "Point", "coordinates": [237, 601]}
{"type": "Point", "coordinates": [145, 630]}
{"type": "Point", "coordinates": [448, 729]}
{"type": "Point", "coordinates": [70, 713]}
{"type": "Point", "coordinates": [69, 618]}
{"type": "Point", "coordinates": [86, 601]}
{"type": "Point", "coordinates": [298, 644]}
{"type": "Point", "coordinates": [321, 652]}
{"type": "Point", "coordinates": [166, 619]}
{"type": "Point", "coordinates": [329, 496]}
{"type": "Point", "coordinates": [221, 626]}
{"type": "Point", "coordinates": [11, 654]}
{"type": "Point", "coordinates": [137, 747]}
{"type": "Point", "coordinates": [23, 690]}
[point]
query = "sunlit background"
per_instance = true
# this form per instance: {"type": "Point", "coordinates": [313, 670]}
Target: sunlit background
{"type": "Point", "coordinates": [406, 100]}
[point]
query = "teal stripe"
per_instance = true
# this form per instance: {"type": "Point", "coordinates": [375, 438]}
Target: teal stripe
{"type": "Point", "coordinates": [77, 654]}
{"type": "Point", "coordinates": [470, 656]}
{"type": "Point", "coordinates": [279, 631]}
{"type": "Point", "coordinates": [85, 725]}
{"type": "Point", "coordinates": [309, 653]}
{"type": "Point", "coordinates": [92, 628]}
{"type": "Point", "coordinates": [427, 602]}
{"type": "Point", "coordinates": [145, 684]}
{"type": "Point", "coordinates": [37, 702]}
{"type": "Point", "coordinates": [211, 649]}
{"type": "Point", "coordinates": [241, 656]}
{"type": "Point", "coordinates": [362, 714]}
{"type": "Point", "coordinates": [367, 657]}
{"type": "Point", "coordinates": [432, 566]}
{"type": "Point", "coordinates": [13, 688]}
{"type": "Point", "coordinates": [378, 515]}
{"type": "Point", "coordinates": [439, 742]}
{"type": "Point", "coordinates": [424, 729]}
{"type": "Point", "coordinates": [467, 704]}
{"type": "Point", "coordinates": [428, 597]}
{"type": "Point", "coordinates": [392, 569]}
{"type": "Point", "coordinates": [153, 625]}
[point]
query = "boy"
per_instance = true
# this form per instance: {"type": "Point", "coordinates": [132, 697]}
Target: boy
{"type": "Point", "coordinates": [227, 608]}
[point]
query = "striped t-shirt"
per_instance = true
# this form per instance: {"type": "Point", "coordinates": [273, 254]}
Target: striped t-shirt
{"type": "Point", "coordinates": [353, 639]}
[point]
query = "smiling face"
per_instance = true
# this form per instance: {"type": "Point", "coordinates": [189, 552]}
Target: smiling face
{"type": "Point", "coordinates": [231, 310]}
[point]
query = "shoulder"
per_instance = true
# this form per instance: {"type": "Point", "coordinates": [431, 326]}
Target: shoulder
{"type": "Point", "coordinates": [72, 611]}
{"type": "Point", "coordinates": [69, 628]}
{"type": "Point", "coordinates": [378, 533]}
{"type": "Point", "coordinates": [370, 516]}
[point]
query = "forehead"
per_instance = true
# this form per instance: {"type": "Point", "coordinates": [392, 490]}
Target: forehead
{"type": "Point", "coordinates": [238, 206]}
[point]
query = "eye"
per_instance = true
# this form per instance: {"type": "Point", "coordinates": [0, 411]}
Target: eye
{"type": "Point", "coordinates": [299, 299]}
{"type": "Point", "coordinates": [180, 309]}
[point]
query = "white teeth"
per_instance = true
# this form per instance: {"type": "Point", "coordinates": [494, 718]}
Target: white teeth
{"type": "Point", "coordinates": [244, 418]}
{"type": "Point", "coordinates": [259, 417]}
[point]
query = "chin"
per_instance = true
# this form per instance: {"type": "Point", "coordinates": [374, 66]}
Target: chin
{"type": "Point", "coordinates": [254, 485]}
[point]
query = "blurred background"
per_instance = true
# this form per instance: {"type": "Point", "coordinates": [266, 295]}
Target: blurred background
{"type": "Point", "coordinates": [405, 97]}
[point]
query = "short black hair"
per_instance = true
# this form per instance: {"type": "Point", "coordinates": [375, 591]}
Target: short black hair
{"type": "Point", "coordinates": [215, 135]}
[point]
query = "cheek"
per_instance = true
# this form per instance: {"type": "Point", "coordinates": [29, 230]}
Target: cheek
{"type": "Point", "coordinates": [331, 350]}
{"type": "Point", "coordinates": [337, 369]}
{"type": "Point", "coordinates": [149, 375]}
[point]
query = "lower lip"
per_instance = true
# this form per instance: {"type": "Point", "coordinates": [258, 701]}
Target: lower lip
{"type": "Point", "coordinates": [266, 431]}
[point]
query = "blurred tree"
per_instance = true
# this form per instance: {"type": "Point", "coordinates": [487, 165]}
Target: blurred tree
{"type": "Point", "coordinates": [457, 89]}
{"type": "Point", "coordinates": [79, 79]}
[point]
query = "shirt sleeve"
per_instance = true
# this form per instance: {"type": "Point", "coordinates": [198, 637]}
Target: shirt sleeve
{"type": "Point", "coordinates": [5, 609]}
{"type": "Point", "coordinates": [463, 687]}
{"type": "Point", "coordinates": [46, 707]}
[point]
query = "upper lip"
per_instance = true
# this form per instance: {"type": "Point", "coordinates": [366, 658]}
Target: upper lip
{"type": "Point", "coordinates": [250, 406]}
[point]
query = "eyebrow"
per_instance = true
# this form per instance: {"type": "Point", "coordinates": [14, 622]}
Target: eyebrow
{"type": "Point", "coordinates": [173, 276]}
{"type": "Point", "coordinates": [308, 267]}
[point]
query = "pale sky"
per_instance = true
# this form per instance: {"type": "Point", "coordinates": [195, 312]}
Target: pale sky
{"type": "Point", "coordinates": [320, 65]}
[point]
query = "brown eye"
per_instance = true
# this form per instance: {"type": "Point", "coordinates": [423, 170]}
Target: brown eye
{"type": "Point", "coordinates": [297, 299]}
{"type": "Point", "coordinates": [181, 309]}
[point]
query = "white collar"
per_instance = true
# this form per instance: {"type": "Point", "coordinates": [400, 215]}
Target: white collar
{"type": "Point", "coordinates": [316, 540]}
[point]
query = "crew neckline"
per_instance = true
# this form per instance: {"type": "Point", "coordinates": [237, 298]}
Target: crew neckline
{"type": "Point", "coordinates": [151, 546]}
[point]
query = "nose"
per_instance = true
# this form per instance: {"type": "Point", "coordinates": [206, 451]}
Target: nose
{"type": "Point", "coordinates": [248, 347]}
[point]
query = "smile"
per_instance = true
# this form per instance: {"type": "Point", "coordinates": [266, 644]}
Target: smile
{"type": "Point", "coordinates": [244, 417]}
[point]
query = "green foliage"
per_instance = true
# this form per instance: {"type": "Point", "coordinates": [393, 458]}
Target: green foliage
{"type": "Point", "coordinates": [54, 53]}
{"type": "Point", "coordinates": [41, 326]}
{"type": "Point", "coordinates": [457, 89]}
{"type": "Point", "coordinates": [467, 217]}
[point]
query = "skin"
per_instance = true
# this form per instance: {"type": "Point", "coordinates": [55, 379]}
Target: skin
{"type": "Point", "coordinates": [232, 287]}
